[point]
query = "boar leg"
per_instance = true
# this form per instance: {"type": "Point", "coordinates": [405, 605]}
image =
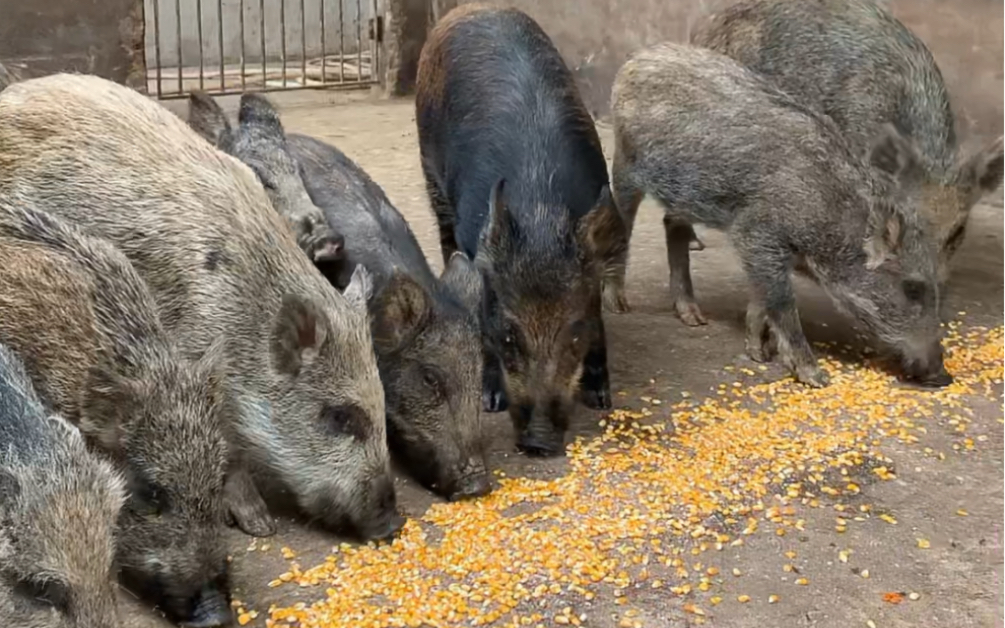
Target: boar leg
{"type": "Point", "coordinates": [595, 382]}
{"type": "Point", "coordinates": [627, 198]}
{"type": "Point", "coordinates": [679, 236]}
{"type": "Point", "coordinates": [493, 393]}
{"type": "Point", "coordinates": [760, 341]}
{"type": "Point", "coordinates": [768, 266]}
{"type": "Point", "coordinates": [444, 212]}
{"type": "Point", "coordinates": [247, 508]}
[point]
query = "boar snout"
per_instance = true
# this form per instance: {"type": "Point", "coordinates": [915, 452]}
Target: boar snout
{"type": "Point", "coordinates": [925, 366]}
{"type": "Point", "coordinates": [211, 608]}
{"type": "Point", "coordinates": [541, 428]}
{"type": "Point", "coordinates": [383, 522]}
{"type": "Point", "coordinates": [472, 481]}
{"type": "Point", "coordinates": [204, 605]}
{"type": "Point", "coordinates": [329, 247]}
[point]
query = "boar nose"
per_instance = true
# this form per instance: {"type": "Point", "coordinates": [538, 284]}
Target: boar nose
{"type": "Point", "coordinates": [474, 483]}
{"type": "Point", "coordinates": [329, 249]}
{"type": "Point", "coordinates": [211, 609]}
{"type": "Point", "coordinates": [930, 370]}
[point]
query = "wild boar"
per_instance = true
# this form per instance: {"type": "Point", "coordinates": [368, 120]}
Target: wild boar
{"type": "Point", "coordinates": [716, 144]}
{"type": "Point", "coordinates": [855, 62]}
{"type": "Point", "coordinates": [222, 265]}
{"type": "Point", "coordinates": [58, 508]}
{"type": "Point", "coordinates": [86, 327]}
{"type": "Point", "coordinates": [425, 330]}
{"type": "Point", "coordinates": [517, 179]}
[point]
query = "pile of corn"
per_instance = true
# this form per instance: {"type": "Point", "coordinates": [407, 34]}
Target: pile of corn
{"type": "Point", "coordinates": [644, 502]}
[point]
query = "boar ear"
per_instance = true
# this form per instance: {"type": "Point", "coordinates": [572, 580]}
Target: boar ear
{"type": "Point", "coordinates": [360, 288]}
{"type": "Point", "coordinates": [886, 230]}
{"type": "Point", "coordinates": [212, 368]}
{"type": "Point", "coordinates": [297, 335]}
{"type": "Point", "coordinates": [462, 276]}
{"type": "Point", "coordinates": [497, 233]}
{"type": "Point", "coordinates": [602, 231]}
{"type": "Point", "coordinates": [895, 155]}
{"type": "Point", "coordinates": [982, 172]}
{"type": "Point", "coordinates": [207, 118]}
{"type": "Point", "coordinates": [107, 399]}
{"type": "Point", "coordinates": [256, 111]}
{"type": "Point", "coordinates": [401, 309]}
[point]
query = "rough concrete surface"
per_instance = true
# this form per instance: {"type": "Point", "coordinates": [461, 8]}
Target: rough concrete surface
{"type": "Point", "coordinates": [959, 578]}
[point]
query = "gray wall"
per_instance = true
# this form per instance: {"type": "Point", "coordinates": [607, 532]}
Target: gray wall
{"type": "Point", "coordinates": [103, 37]}
{"type": "Point", "coordinates": [231, 10]}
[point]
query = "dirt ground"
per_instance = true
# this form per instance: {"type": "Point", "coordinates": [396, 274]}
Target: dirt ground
{"type": "Point", "coordinates": [959, 578]}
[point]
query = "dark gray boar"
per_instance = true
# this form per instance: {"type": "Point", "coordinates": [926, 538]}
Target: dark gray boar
{"type": "Point", "coordinates": [425, 328]}
{"type": "Point", "coordinates": [259, 141]}
{"type": "Point", "coordinates": [517, 179]}
{"type": "Point", "coordinates": [716, 144]}
{"type": "Point", "coordinates": [222, 265]}
{"type": "Point", "coordinates": [58, 507]}
{"type": "Point", "coordinates": [855, 62]}
{"type": "Point", "coordinates": [87, 329]}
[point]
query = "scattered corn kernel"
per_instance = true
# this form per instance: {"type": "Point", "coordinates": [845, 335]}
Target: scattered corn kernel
{"type": "Point", "coordinates": [743, 599]}
{"type": "Point", "coordinates": [924, 543]}
{"type": "Point", "coordinates": [721, 458]}
{"type": "Point", "coordinates": [772, 599]}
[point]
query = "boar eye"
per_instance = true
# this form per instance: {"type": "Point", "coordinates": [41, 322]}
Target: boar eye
{"type": "Point", "coordinates": [955, 238]}
{"type": "Point", "coordinates": [349, 420]}
{"type": "Point", "coordinates": [266, 181]}
{"type": "Point", "coordinates": [434, 383]}
{"type": "Point", "coordinates": [49, 592]}
{"type": "Point", "coordinates": [914, 290]}
{"type": "Point", "coordinates": [148, 499]}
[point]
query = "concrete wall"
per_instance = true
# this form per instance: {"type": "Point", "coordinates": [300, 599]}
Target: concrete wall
{"type": "Point", "coordinates": [167, 19]}
{"type": "Point", "coordinates": [103, 37]}
{"type": "Point", "coordinates": [596, 36]}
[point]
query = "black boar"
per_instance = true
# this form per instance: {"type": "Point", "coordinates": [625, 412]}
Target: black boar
{"type": "Point", "coordinates": [517, 179]}
{"type": "Point", "coordinates": [425, 328]}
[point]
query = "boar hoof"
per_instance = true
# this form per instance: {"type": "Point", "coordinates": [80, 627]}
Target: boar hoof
{"type": "Point", "coordinates": [762, 350]}
{"type": "Point", "coordinates": [689, 313]}
{"type": "Point", "coordinates": [252, 521]}
{"type": "Point", "coordinates": [494, 400]}
{"type": "Point", "coordinates": [696, 244]}
{"type": "Point", "coordinates": [595, 388]}
{"type": "Point", "coordinates": [812, 375]}
{"type": "Point", "coordinates": [615, 300]}
{"type": "Point", "coordinates": [246, 508]}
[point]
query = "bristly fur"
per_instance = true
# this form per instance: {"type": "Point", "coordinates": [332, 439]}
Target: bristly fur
{"type": "Point", "coordinates": [855, 62]}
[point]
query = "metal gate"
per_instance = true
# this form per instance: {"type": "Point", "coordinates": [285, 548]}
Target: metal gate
{"type": "Point", "coordinates": [229, 46]}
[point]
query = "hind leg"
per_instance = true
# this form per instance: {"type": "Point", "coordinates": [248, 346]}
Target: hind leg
{"type": "Point", "coordinates": [679, 236]}
{"type": "Point", "coordinates": [444, 212]}
{"type": "Point", "coordinates": [627, 197]}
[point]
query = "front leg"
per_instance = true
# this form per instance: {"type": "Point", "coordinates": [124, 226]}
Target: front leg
{"type": "Point", "coordinates": [246, 508]}
{"type": "Point", "coordinates": [769, 269]}
{"type": "Point", "coordinates": [493, 390]}
{"type": "Point", "coordinates": [595, 382]}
